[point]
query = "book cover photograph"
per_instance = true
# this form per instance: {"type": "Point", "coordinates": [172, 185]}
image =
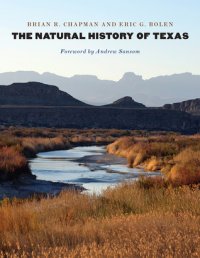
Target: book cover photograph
{"type": "Point", "coordinates": [99, 129]}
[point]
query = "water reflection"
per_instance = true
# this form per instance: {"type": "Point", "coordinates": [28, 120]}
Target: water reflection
{"type": "Point", "coordinates": [64, 166]}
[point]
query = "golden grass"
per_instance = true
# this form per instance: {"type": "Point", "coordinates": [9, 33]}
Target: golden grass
{"type": "Point", "coordinates": [32, 145]}
{"type": "Point", "coordinates": [127, 221]}
{"type": "Point", "coordinates": [12, 163]}
{"type": "Point", "coordinates": [133, 236]}
{"type": "Point", "coordinates": [178, 157]}
{"type": "Point", "coordinates": [187, 167]}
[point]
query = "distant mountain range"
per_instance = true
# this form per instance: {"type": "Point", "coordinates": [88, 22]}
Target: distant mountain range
{"type": "Point", "coordinates": [156, 91]}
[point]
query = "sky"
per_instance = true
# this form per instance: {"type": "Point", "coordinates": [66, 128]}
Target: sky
{"type": "Point", "coordinates": [155, 58]}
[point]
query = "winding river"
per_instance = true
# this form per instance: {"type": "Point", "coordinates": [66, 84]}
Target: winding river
{"type": "Point", "coordinates": [90, 167]}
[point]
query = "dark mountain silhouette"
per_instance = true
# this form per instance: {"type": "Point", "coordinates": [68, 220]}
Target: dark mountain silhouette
{"type": "Point", "coordinates": [126, 102]}
{"type": "Point", "coordinates": [36, 94]}
{"type": "Point", "coordinates": [156, 91]}
{"type": "Point", "coordinates": [191, 106]}
{"type": "Point", "coordinates": [28, 104]}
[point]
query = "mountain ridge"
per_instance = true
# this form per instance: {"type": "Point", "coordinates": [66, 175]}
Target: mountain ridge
{"type": "Point", "coordinates": [155, 91]}
{"type": "Point", "coordinates": [190, 106]}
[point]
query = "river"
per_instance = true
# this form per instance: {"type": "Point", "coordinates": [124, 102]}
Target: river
{"type": "Point", "coordinates": [90, 167]}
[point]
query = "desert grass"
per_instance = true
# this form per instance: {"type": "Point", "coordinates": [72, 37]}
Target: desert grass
{"type": "Point", "coordinates": [127, 221]}
{"type": "Point", "coordinates": [177, 156]}
{"type": "Point", "coordinates": [12, 163]}
{"type": "Point", "coordinates": [187, 167]}
{"type": "Point", "coordinates": [32, 145]}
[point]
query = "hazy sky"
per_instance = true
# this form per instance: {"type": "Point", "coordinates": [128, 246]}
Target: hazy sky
{"type": "Point", "coordinates": [156, 58]}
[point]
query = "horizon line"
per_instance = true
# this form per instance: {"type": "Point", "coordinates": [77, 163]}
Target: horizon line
{"type": "Point", "coordinates": [102, 79]}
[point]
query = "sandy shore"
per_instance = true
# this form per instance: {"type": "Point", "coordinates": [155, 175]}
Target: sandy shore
{"type": "Point", "coordinates": [105, 158]}
{"type": "Point", "coordinates": [95, 162]}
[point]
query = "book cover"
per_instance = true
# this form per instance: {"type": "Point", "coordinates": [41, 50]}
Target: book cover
{"type": "Point", "coordinates": [99, 128]}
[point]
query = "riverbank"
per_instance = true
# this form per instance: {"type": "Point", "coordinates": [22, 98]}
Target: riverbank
{"type": "Point", "coordinates": [89, 166]}
{"type": "Point", "coordinates": [19, 144]}
{"type": "Point", "coordinates": [176, 156]}
{"type": "Point", "coordinates": [30, 187]}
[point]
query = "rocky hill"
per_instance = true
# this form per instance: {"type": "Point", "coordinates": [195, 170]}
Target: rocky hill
{"type": "Point", "coordinates": [126, 102]}
{"type": "Point", "coordinates": [191, 106]}
{"type": "Point", "coordinates": [36, 94]}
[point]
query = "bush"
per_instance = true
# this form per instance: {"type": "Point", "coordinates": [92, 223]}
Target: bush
{"type": "Point", "coordinates": [187, 168]}
{"type": "Point", "coordinates": [12, 163]}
